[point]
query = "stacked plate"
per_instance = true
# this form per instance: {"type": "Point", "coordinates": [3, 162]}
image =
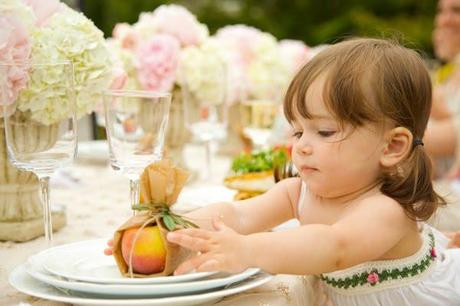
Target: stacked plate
{"type": "Point", "coordinates": [79, 273]}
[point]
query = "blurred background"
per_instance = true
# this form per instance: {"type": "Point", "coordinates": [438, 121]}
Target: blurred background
{"type": "Point", "coordinates": [314, 22]}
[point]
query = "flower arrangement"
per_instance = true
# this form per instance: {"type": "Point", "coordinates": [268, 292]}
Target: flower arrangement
{"type": "Point", "coordinates": [259, 70]}
{"type": "Point", "coordinates": [151, 49]}
{"type": "Point", "coordinates": [51, 32]}
{"type": "Point", "coordinates": [169, 46]}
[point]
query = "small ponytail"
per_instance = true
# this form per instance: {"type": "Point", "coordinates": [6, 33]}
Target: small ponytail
{"type": "Point", "coordinates": [412, 186]}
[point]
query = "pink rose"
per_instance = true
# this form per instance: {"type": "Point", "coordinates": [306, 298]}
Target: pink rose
{"type": "Point", "coordinates": [15, 50]}
{"type": "Point", "coordinates": [157, 62]}
{"type": "Point", "coordinates": [373, 278]}
{"type": "Point", "coordinates": [177, 21]}
{"type": "Point", "coordinates": [127, 36]}
{"type": "Point", "coordinates": [44, 9]}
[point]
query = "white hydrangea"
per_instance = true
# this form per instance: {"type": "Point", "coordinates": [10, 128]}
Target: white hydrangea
{"type": "Point", "coordinates": [203, 71]}
{"type": "Point", "coordinates": [267, 74]}
{"type": "Point", "coordinates": [69, 35]}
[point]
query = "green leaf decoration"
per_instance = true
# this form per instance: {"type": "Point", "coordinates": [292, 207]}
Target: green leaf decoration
{"type": "Point", "coordinates": [169, 222]}
{"type": "Point", "coordinates": [170, 219]}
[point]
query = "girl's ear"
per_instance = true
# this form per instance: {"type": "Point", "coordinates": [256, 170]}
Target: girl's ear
{"type": "Point", "coordinates": [398, 144]}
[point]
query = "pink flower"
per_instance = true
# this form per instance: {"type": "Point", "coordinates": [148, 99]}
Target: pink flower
{"type": "Point", "coordinates": [373, 278]}
{"type": "Point", "coordinates": [43, 9]}
{"type": "Point", "coordinates": [433, 253]}
{"type": "Point", "coordinates": [119, 78]}
{"type": "Point", "coordinates": [14, 48]}
{"type": "Point", "coordinates": [177, 21]}
{"type": "Point", "coordinates": [157, 62]}
{"type": "Point", "coordinates": [127, 36]}
{"type": "Point", "coordinates": [242, 39]}
{"type": "Point", "coordinates": [294, 53]}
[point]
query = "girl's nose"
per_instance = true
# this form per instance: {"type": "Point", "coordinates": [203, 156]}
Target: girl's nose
{"type": "Point", "coordinates": [304, 149]}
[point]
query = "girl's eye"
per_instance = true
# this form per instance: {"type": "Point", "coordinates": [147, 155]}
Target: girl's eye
{"type": "Point", "coordinates": [297, 134]}
{"type": "Point", "coordinates": [326, 133]}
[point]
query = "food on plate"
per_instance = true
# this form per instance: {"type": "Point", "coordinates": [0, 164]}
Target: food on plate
{"type": "Point", "coordinates": [252, 173]}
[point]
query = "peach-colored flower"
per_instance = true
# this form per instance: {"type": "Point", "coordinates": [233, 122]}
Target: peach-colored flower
{"type": "Point", "coordinates": [14, 48]}
{"type": "Point", "coordinates": [43, 9]}
{"type": "Point", "coordinates": [157, 61]}
{"type": "Point", "coordinates": [119, 78]}
{"type": "Point", "coordinates": [127, 36]}
{"type": "Point", "coordinates": [294, 53]}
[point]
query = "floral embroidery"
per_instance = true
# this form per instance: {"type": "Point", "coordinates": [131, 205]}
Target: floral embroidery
{"type": "Point", "coordinates": [373, 276]}
{"type": "Point", "coordinates": [433, 253]}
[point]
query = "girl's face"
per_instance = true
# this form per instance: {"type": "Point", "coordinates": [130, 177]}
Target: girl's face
{"type": "Point", "coordinates": [334, 162]}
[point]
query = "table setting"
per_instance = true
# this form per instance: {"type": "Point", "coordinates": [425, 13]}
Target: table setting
{"type": "Point", "coordinates": [188, 119]}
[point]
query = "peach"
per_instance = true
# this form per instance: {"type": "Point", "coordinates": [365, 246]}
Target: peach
{"type": "Point", "coordinates": [149, 254]}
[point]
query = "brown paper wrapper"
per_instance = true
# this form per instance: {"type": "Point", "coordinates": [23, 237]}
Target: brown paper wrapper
{"type": "Point", "coordinates": [161, 183]}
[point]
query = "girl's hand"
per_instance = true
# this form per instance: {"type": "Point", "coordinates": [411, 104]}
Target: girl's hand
{"type": "Point", "coordinates": [454, 239]}
{"type": "Point", "coordinates": [220, 250]}
{"type": "Point", "coordinates": [109, 251]}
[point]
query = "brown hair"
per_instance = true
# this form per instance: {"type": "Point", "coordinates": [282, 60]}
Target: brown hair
{"type": "Point", "coordinates": [376, 81]}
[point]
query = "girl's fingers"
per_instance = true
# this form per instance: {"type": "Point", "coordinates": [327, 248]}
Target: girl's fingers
{"type": "Point", "coordinates": [110, 242]}
{"type": "Point", "coordinates": [194, 232]}
{"type": "Point", "coordinates": [209, 266]}
{"type": "Point", "coordinates": [108, 251]}
{"type": "Point", "coordinates": [218, 224]}
{"type": "Point", "coordinates": [191, 243]}
{"type": "Point", "coordinates": [191, 264]}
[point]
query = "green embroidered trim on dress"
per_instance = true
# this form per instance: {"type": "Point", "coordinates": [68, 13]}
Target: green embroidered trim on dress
{"type": "Point", "coordinates": [373, 277]}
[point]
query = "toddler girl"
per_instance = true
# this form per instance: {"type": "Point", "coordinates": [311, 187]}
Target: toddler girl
{"type": "Point", "coordinates": [358, 111]}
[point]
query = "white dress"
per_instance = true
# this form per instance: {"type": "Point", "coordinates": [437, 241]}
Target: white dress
{"type": "Point", "coordinates": [430, 277]}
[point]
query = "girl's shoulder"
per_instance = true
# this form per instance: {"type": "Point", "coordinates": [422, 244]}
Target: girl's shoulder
{"type": "Point", "coordinates": [381, 202]}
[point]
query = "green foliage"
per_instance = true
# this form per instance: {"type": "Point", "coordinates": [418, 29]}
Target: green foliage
{"type": "Point", "coordinates": [314, 22]}
{"type": "Point", "coordinates": [258, 161]}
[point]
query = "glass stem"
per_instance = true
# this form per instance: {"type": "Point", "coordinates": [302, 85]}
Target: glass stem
{"type": "Point", "coordinates": [45, 193]}
{"type": "Point", "coordinates": [134, 191]}
{"type": "Point", "coordinates": [208, 148]}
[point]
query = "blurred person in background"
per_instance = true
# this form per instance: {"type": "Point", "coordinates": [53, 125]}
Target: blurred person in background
{"type": "Point", "coordinates": [442, 137]}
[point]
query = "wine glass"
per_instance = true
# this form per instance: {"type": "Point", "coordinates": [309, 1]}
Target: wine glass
{"type": "Point", "coordinates": [206, 115]}
{"type": "Point", "coordinates": [135, 122]}
{"type": "Point", "coordinates": [258, 118]}
{"type": "Point", "coordinates": [40, 121]}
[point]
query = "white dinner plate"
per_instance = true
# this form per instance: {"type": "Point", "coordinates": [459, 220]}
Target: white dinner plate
{"type": "Point", "coordinates": [85, 261]}
{"type": "Point", "coordinates": [24, 283]}
{"type": "Point", "coordinates": [219, 280]}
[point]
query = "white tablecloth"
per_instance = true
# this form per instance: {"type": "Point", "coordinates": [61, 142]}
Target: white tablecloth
{"type": "Point", "coordinates": [97, 202]}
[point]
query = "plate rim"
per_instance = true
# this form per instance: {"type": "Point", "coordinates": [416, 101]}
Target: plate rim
{"type": "Point", "coordinates": [121, 281]}
{"type": "Point", "coordinates": [198, 298]}
{"type": "Point", "coordinates": [124, 291]}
